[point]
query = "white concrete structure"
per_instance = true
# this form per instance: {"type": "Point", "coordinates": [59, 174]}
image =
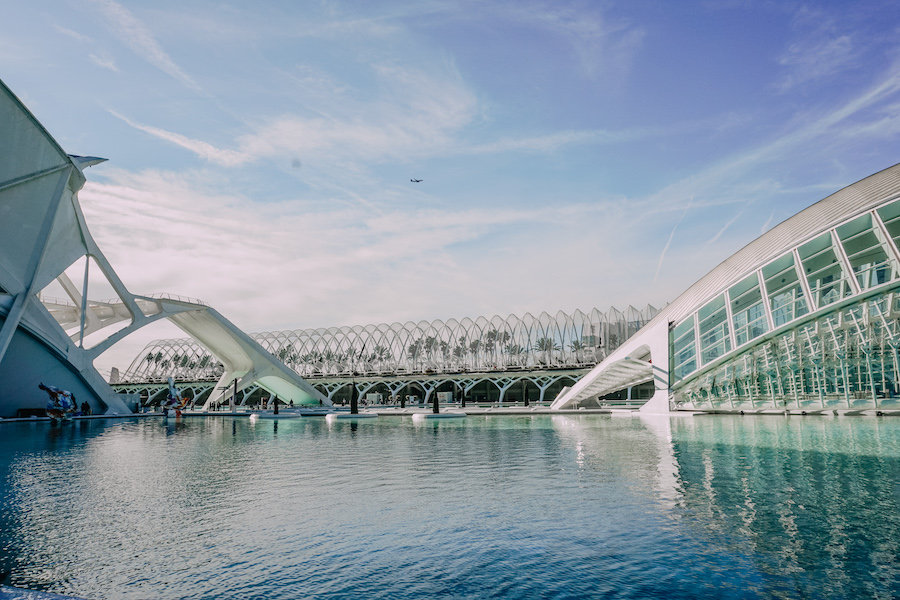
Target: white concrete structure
{"type": "Point", "coordinates": [806, 317]}
{"type": "Point", "coordinates": [43, 234]}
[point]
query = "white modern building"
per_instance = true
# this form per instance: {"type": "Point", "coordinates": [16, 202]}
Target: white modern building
{"type": "Point", "coordinates": [53, 321]}
{"type": "Point", "coordinates": [806, 317]}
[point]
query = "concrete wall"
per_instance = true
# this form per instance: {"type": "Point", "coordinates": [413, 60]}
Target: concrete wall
{"type": "Point", "coordinates": [27, 363]}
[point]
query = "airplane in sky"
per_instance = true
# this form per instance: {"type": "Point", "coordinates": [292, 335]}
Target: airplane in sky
{"type": "Point", "coordinates": [416, 180]}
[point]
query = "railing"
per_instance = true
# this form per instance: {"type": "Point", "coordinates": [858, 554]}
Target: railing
{"type": "Point", "coordinates": [57, 301]}
{"type": "Point", "coordinates": [177, 298]}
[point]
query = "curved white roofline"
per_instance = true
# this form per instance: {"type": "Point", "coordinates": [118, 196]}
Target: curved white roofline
{"type": "Point", "coordinates": [855, 199]}
{"type": "Point", "coordinates": [806, 224]}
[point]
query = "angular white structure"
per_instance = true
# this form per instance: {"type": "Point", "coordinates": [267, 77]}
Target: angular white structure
{"type": "Point", "coordinates": [806, 317]}
{"type": "Point", "coordinates": [42, 235]}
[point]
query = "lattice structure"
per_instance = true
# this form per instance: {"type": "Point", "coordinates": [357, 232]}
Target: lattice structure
{"type": "Point", "coordinates": [805, 317]}
{"type": "Point", "coordinates": [563, 340]}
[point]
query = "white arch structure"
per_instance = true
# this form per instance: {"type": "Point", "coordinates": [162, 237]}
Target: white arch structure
{"type": "Point", "coordinates": [805, 317]}
{"type": "Point", "coordinates": [483, 344]}
{"type": "Point", "coordinates": [43, 235]}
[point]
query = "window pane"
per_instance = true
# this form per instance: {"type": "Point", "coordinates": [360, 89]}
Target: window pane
{"type": "Point", "coordinates": [747, 310]}
{"type": "Point", "coordinates": [864, 249]}
{"type": "Point", "coordinates": [786, 297]}
{"type": "Point", "coordinates": [713, 325]}
{"type": "Point", "coordinates": [827, 280]}
{"type": "Point", "coordinates": [890, 215]}
{"type": "Point", "coordinates": [684, 349]}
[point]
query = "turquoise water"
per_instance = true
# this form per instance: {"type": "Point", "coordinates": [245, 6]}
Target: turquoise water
{"type": "Point", "coordinates": [484, 507]}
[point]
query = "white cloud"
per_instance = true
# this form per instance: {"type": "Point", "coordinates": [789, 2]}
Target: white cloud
{"type": "Point", "coordinates": [104, 62]}
{"type": "Point", "coordinates": [823, 49]}
{"type": "Point", "coordinates": [725, 227]}
{"type": "Point", "coordinates": [78, 37]}
{"type": "Point", "coordinates": [270, 266]}
{"type": "Point", "coordinates": [223, 157]}
{"type": "Point", "coordinates": [414, 111]}
{"type": "Point", "coordinates": [134, 34]}
{"type": "Point", "coordinates": [605, 46]}
{"type": "Point", "coordinates": [727, 182]}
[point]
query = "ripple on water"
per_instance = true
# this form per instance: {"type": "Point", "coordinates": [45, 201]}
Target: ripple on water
{"type": "Point", "coordinates": [502, 507]}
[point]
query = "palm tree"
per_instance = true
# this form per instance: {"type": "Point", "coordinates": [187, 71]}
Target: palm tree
{"type": "Point", "coordinates": [414, 351]}
{"type": "Point", "coordinates": [430, 342]}
{"type": "Point", "coordinates": [515, 351]}
{"type": "Point", "coordinates": [474, 347]}
{"type": "Point", "coordinates": [578, 347]}
{"type": "Point", "coordinates": [459, 352]}
{"type": "Point", "coordinates": [546, 346]}
{"type": "Point", "coordinates": [490, 338]}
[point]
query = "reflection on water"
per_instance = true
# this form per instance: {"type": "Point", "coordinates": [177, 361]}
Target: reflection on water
{"type": "Point", "coordinates": [507, 507]}
{"type": "Point", "coordinates": [814, 502]}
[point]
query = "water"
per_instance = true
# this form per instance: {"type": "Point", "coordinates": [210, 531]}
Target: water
{"type": "Point", "coordinates": [483, 507]}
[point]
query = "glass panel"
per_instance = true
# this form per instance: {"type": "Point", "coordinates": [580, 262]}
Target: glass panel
{"type": "Point", "coordinates": [747, 310]}
{"type": "Point", "coordinates": [827, 281]}
{"type": "Point", "coordinates": [890, 215]}
{"type": "Point", "coordinates": [714, 340]}
{"type": "Point", "coordinates": [865, 251]}
{"type": "Point", "coordinates": [843, 359]}
{"type": "Point", "coordinates": [785, 292]}
{"type": "Point", "coordinates": [684, 349]}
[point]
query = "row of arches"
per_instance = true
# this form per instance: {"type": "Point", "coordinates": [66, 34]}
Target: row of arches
{"type": "Point", "coordinates": [545, 341]}
{"type": "Point", "coordinates": [523, 388]}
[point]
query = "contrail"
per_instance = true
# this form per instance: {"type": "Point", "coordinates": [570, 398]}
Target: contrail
{"type": "Point", "coordinates": [725, 227]}
{"type": "Point", "coordinates": [669, 241]}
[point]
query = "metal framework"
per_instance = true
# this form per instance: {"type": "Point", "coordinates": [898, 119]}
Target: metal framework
{"type": "Point", "coordinates": [805, 317]}
{"type": "Point", "coordinates": [537, 386]}
{"type": "Point", "coordinates": [512, 343]}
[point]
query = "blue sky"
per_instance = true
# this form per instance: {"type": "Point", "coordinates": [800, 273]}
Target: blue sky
{"type": "Point", "coordinates": [574, 154]}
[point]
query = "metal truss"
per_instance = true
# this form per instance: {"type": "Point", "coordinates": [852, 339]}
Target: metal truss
{"type": "Point", "coordinates": [423, 385]}
{"type": "Point", "coordinates": [563, 340]}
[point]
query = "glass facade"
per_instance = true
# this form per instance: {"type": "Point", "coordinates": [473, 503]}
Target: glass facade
{"type": "Point", "coordinates": [713, 328]}
{"type": "Point", "coordinates": [684, 349]}
{"type": "Point", "coordinates": [799, 339]}
{"type": "Point", "coordinates": [786, 297]}
{"type": "Point", "coordinates": [822, 268]}
{"type": "Point", "coordinates": [847, 358]}
{"type": "Point", "coordinates": [747, 310]}
{"type": "Point", "coordinates": [866, 252]}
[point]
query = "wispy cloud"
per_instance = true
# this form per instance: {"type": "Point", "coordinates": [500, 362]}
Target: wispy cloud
{"type": "Point", "coordinates": [554, 141]}
{"type": "Point", "coordinates": [103, 61]}
{"type": "Point", "coordinates": [416, 112]}
{"type": "Point", "coordinates": [822, 49]}
{"type": "Point", "coordinates": [281, 256]}
{"type": "Point", "coordinates": [206, 151]}
{"type": "Point", "coordinates": [604, 46]}
{"type": "Point", "coordinates": [78, 37]}
{"type": "Point", "coordinates": [725, 227]}
{"type": "Point", "coordinates": [134, 34]}
{"type": "Point", "coordinates": [662, 255]}
{"type": "Point", "coordinates": [768, 224]}
{"type": "Point", "coordinates": [726, 182]}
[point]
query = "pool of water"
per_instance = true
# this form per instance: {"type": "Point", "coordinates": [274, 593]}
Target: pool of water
{"type": "Point", "coordinates": [483, 507]}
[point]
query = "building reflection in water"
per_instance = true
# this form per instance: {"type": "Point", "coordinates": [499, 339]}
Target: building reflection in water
{"type": "Point", "coordinates": [801, 500]}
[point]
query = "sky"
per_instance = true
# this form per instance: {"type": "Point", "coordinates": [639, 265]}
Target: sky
{"type": "Point", "coordinates": [572, 154]}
